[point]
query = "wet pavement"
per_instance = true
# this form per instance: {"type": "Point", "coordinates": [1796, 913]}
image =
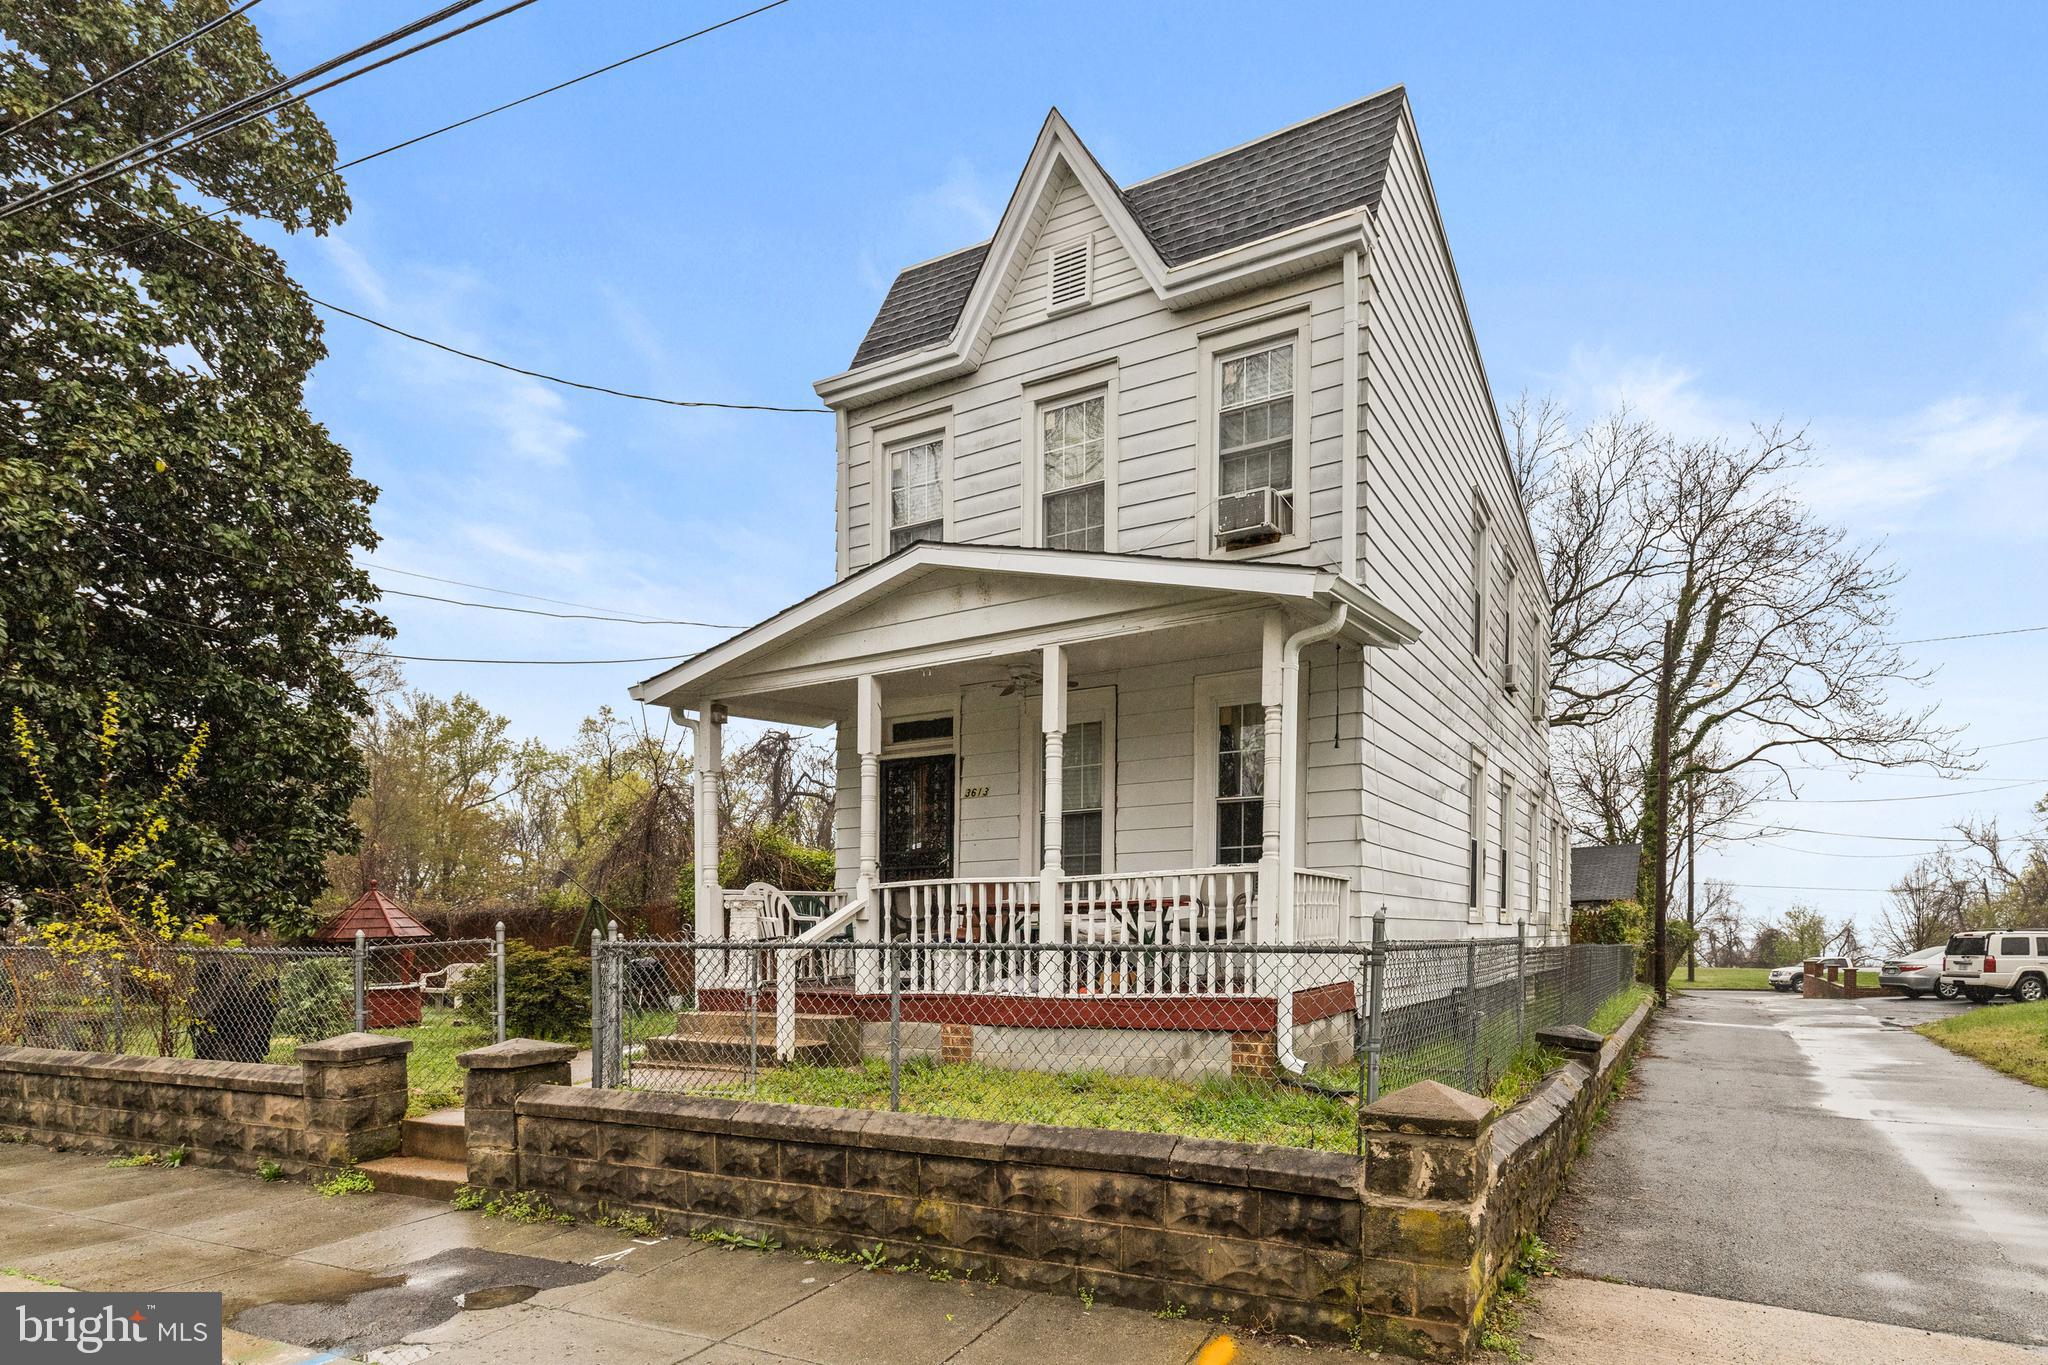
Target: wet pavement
{"type": "Point", "coordinates": [1820, 1156]}
{"type": "Point", "coordinates": [399, 1281]}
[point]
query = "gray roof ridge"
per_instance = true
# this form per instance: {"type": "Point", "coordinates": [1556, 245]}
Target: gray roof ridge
{"type": "Point", "coordinates": [1263, 137]}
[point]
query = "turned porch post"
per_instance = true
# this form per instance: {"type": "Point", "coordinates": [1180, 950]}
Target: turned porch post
{"type": "Point", "coordinates": [1052, 918]}
{"type": "Point", "coordinates": [872, 926]}
{"type": "Point", "coordinates": [1272, 695]}
{"type": "Point", "coordinates": [708, 761]}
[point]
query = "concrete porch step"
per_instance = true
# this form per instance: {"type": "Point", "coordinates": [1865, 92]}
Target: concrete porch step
{"type": "Point", "coordinates": [420, 1177]}
{"type": "Point", "coordinates": [720, 1038]}
{"type": "Point", "coordinates": [439, 1136]}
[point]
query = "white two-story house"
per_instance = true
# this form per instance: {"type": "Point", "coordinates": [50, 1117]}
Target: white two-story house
{"type": "Point", "coordinates": [1183, 586]}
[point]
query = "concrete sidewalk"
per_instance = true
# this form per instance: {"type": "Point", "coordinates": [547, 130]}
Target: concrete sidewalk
{"type": "Point", "coordinates": [411, 1280]}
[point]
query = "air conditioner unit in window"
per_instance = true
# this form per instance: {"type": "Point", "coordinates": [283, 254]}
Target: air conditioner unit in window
{"type": "Point", "coordinates": [1255, 515]}
{"type": "Point", "coordinates": [1511, 683]}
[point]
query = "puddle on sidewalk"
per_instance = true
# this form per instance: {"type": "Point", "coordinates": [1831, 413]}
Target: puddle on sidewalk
{"type": "Point", "coordinates": [426, 1294]}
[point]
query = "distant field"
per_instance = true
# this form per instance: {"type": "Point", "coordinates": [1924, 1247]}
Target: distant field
{"type": "Point", "coordinates": [1722, 979]}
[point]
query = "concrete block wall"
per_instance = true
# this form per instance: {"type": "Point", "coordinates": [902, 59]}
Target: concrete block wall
{"type": "Point", "coordinates": [343, 1102]}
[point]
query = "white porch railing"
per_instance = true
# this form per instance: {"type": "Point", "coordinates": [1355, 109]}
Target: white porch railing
{"type": "Point", "coordinates": [1319, 906]}
{"type": "Point", "coordinates": [1001, 914]}
{"type": "Point", "coordinates": [1139, 930]}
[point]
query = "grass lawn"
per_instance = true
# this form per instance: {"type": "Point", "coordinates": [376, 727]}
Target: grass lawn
{"type": "Point", "coordinates": [1616, 1008]}
{"type": "Point", "coordinates": [2008, 1038]}
{"type": "Point", "coordinates": [1722, 979]}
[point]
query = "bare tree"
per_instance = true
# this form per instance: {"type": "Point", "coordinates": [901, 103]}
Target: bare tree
{"type": "Point", "coordinates": [1928, 904]}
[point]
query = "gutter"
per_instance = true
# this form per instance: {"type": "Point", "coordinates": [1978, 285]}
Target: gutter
{"type": "Point", "coordinates": [1290, 808]}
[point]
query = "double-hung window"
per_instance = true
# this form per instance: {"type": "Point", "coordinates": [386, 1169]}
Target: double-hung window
{"type": "Point", "coordinates": [1240, 783]}
{"type": "Point", "coordinates": [917, 496]}
{"type": "Point", "coordinates": [1475, 833]}
{"type": "Point", "coordinates": [1482, 565]}
{"type": "Point", "coordinates": [1081, 800]}
{"type": "Point", "coordinates": [1255, 421]}
{"type": "Point", "coordinates": [1507, 838]}
{"type": "Point", "coordinates": [1071, 446]}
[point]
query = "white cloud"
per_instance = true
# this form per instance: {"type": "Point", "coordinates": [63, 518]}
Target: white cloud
{"type": "Point", "coordinates": [961, 201]}
{"type": "Point", "coordinates": [362, 277]}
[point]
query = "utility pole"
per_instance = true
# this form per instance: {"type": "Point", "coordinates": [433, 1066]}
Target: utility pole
{"type": "Point", "coordinates": [1692, 783]}
{"type": "Point", "coordinates": [1666, 677]}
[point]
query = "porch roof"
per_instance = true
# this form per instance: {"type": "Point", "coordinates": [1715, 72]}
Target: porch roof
{"type": "Point", "coordinates": [1149, 579]}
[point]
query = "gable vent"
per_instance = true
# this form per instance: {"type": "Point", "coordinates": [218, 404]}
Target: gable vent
{"type": "Point", "coordinates": [1068, 287]}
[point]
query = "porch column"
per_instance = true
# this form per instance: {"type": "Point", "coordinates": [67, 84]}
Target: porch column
{"type": "Point", "coordinates": [1052, 918]}
{"type": "Point", "coordinates": [871, 927]}
{"type": "Point", "coordinates": [1272, 695]}
{"type": "Point", "coordinates": [708, 762]}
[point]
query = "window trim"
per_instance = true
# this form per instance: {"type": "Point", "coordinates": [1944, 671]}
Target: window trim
{"type": "Point", "coordinates": [1480, 600]}
{"type": "Point", "coordinates": [884, 441]}
{"type": "Point", "coordinates": [1097, 379]}
{"type": "Point", "coordinates": [1507, 831]}
{"type": "Point", "coordinates": [1290, 323]}
{"type": "Point", "coordinates": [1084, 704]}
{"type": "Point", "coordinates": [1475, 834]}
{"type": "Point", "coordinates": [1213, 691]}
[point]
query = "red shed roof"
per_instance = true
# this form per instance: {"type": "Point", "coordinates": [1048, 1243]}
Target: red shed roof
{"type": "Point", "coordinates": [377, 916]}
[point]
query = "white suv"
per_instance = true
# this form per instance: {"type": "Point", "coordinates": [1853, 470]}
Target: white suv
{"type": "Point", "coordinates": [1991, 961]}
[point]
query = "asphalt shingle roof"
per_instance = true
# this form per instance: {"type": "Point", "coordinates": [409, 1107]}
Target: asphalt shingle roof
{"type": "Point", "coordinates": [1331, 163]}
{"type": "Point", "coordinates": [1604, 872]}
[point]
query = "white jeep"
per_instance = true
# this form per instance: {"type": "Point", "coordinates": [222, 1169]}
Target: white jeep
{"type": "Point", "coordinates": [1989, 962]}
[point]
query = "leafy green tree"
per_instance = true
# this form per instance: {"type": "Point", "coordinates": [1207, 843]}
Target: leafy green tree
{"type": "Point", "coordinates": [173, 523]}
{"type": "Point", "coordinates": [1806, 936]}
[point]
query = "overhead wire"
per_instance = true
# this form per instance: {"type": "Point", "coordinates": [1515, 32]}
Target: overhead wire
{"type": "Point", "coordinates": [556, 615]}
{"type": "Point", "coordinates": [103, 82]}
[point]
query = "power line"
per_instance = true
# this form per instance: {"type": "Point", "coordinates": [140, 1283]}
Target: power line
{"type": "Point", "coordinates": [1974, 635]}
{"type": "Point", "coordinates": [558, 663]}
{"type": "Point", "coordinates": [128, 70]}
{"type": "Point", "coordinates": [2010, 743]}
{"type": "Point", "coordinates": [502, 592]}
{"type": "Point", "coordinates": [1776, 886]}
{"type": "Point", "coordinates": [1839, 834]}
{"type": "Point", "coordinates": [557, 615]}
{"type": "Point", "coordinates": [205, 127]}
{"type": "Point", "coordinates": [1881, 800]}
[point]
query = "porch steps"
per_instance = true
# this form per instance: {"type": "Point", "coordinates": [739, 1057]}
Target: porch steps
{"type": "Point", "coordinates": [432, 1158]}
{"type": "Point", "coordinates": [718, 1041]}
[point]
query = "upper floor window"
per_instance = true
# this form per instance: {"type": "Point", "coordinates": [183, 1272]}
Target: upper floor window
{"type": "Point", "coordinates": [1482, 567]}
{"type": "Point", "coordinates": [1475, 832]}
{"type": "Point", "coordinates": [1074, 503]}
{"type": "Point", "coordinates": [917, 497]}
{"type": "Point", "coordinates": [1508, 681]}
{"type": "Point", "coordinates": [1255, 421]}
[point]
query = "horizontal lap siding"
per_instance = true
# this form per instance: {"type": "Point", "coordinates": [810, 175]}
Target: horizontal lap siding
{"type": "Point", "coordinates": [1155, 350]}
{"type": "Point", "coordinates": [1430, 438]}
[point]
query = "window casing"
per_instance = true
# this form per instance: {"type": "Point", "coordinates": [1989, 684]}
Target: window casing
{"type": "Point", "coordinates": [1482, 564]}
{"type": "Point", "coordinates": [1081, 795]}
{"type": "Point", "coordinates": [917, 492]}
{"type": "Point", "coordinates": [1532, 843]}
{"type": "Point", "coordinates": [1240, 783]}
{"type": "Point", "coordinates": [1508, 636]}
{"type": "Point", "coordinates": [1475, 833]}
{"type": "Point", "coordinates": [1072, 450]}
{"type": "Point", "coordinates": [1507, 839]}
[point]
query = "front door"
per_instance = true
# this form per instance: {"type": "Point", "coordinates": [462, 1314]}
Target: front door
{"type": "Point", "coordinates": [917, 818]}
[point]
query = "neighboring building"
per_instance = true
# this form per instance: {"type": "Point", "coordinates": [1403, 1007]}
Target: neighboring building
{"type": "Point", "coordinates": [1179, 510]}
{"type": "Point", "coordinates": [1604, 873]}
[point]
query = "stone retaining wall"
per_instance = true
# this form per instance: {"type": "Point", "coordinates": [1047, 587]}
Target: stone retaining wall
{"type": "Point", "coordinates": [344, 1102]}
{"type": "Point", "coordinates": [1400, 1250]}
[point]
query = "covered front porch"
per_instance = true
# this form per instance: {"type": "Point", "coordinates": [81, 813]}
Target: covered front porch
{"type": "Point", "coordinates": [1063, 776]}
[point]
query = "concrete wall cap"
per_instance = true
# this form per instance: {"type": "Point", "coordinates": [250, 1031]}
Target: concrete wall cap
{"type": "Point", "coordinates": [1297, 1170]}
{"type": "Point", "coordinates": [514, 1053]}
{"type": "Point", "coordinates": [1095, 1149]}
{"type": "Point", "coordinates": [1571, 1038]}
{"type": "Point", "coordinates": [353, 1047]}
{"type": "Point", "coordinates": [255, 1077]}
{"type": "Point", "coordinates": [1428, 1107]}
{"type": "Point", "coordinates": [929, 1135]}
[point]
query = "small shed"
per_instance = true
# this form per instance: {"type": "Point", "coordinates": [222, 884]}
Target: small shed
{"type": "Point", "coordinates": [392, 994]}
{"type": "Point", "coordinates": [1604, 873]}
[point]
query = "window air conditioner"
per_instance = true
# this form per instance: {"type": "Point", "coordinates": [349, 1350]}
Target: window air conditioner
{"type": "Point", "coordinates": [1257, 514]}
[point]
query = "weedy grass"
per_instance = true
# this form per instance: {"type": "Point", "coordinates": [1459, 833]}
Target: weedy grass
{"type": "Point", "coordinates": [2008, 1038]}
{"type": "Point", "coordinates": [341, 1183]}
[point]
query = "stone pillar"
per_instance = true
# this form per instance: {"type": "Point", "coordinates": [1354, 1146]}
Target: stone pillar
{"type": "Point", "coordinates": [494, 1078]}
{"type": "Point", "coordinates": [355, 1097]}
{"type": "Point", "coordinates": [1427, 1146]}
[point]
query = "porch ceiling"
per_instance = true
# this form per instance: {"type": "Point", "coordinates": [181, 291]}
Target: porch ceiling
{"type": "Point", "coordinates": [959, 615]}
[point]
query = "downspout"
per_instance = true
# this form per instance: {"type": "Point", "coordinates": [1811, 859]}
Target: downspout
{"type": "Point", "coordinates": [1290, 812]}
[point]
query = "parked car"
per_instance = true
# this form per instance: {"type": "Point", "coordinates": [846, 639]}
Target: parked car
{"type": "Point", "coordinates": [1791, 978]}
{"type": "Point", "coordinates": [1919, 974]}
{"type": "Point", "coordinates": [1990, 962]}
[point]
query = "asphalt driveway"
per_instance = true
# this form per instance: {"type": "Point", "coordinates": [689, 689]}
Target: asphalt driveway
{"type": "Point", "coordinates": [1819, 1155]}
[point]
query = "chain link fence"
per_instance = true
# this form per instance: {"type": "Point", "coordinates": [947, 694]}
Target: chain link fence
{"type": "Point", "coordinates": [259, 1004]}
{"type": "Point", "coordinates": [1266, 1043]}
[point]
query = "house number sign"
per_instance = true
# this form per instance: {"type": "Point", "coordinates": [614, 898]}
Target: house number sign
{"type": "Point", "coordinates": [971, 793]}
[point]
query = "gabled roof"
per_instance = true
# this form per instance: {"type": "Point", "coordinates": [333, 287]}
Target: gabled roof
{"type": "Point", "coordinates": [377, 916]}
{"type": "Point", "coordinates": [1604, 872]}
{"type": "Point", "coordinates": [1326, 165]}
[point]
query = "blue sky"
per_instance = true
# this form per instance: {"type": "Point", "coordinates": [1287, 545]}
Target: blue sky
{"type": "Point", "coordinates": [1826, 213]}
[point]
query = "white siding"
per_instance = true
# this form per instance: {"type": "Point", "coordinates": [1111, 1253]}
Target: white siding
{"type": "Point", "coordinates": [1430, 438]}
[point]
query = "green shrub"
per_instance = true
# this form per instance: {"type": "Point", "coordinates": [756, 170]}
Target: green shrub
{"type": "Point", "coordinates": [315, 998]}
{"type": "Point", "coordinates": [350, 1181]}
{"type": "Point", "coordinates": [768, 855]}
{"type": "Point", "coordinates": [547, 993]}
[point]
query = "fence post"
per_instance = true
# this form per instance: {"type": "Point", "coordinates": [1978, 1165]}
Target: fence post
{"type": "Point", "coordinates": [895, 1030]}
{"type": "Point", "coordinates": [359, 982]}
{"type": "Point", "coordinates": [119, 986]}
{"type": "Point", "coordinates": [615, 1006]}
{"type": "Point", "coordinates": [498, 956]}
{"type": "Point", "coordinates": [1521, 981]}
{"type": "Point", "coordinates": [1471, 1016]}
{"type": "Point", "coordinates": [1375, 1027]}
{"type": "Point", "coordinates": [753, 1010]}
{"type": "Point", "coordinates": [597, 1048]}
